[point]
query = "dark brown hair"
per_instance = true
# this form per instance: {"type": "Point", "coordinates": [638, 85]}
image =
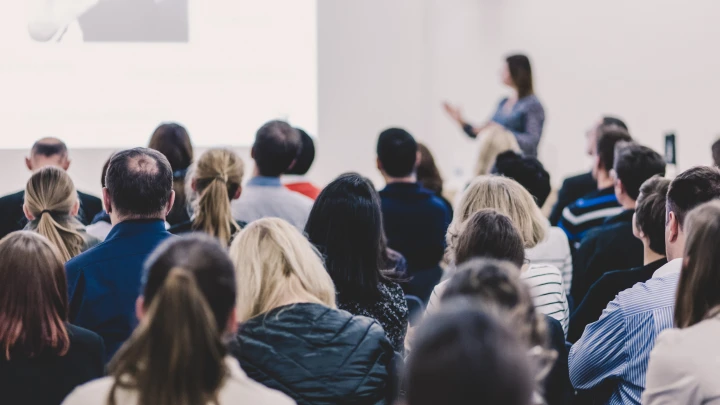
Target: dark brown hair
{"type": "Point", "coordinates": [173, 141]}
{"type": "Point", "coordinates": [33, 297]}
{"type": "Point", "coordinates": [488, 233]}
{"type": "Point", "coordinates": [650, 212]}
{"type": "Point", "coordinates": [698, 295]}
{"type": "Point", "coordinates": [608, 138]}
{"type": "Point", "coordinates": [691, 188]}
{"type": "Point", "coordinates": [427, 172]}
{"type": "Point", "coordinates": [521, 73]}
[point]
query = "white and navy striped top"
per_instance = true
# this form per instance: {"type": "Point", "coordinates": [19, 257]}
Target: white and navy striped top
{"type": "Point", "coordinates": [546, 288]}
{"type": "Point", "coordinates": [589, 212]}
{"type": "Point", "coordinates": [555, 251]}
{"type": "Point", "coordinates": [618, 346]}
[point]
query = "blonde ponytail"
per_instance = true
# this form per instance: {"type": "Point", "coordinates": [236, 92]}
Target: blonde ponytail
{"type": "Point", "coordinates": [217, 177]}
{"type": "Point", "coordinates": [50, 196]}
{"type": "Point", "coordinates": [176, 354]}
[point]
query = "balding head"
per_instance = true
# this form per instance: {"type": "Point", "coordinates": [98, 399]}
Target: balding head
{"type": "Point", "coordinates": [48, 152]}
{"type": "Point", "coordinates": [276, 147]}
{"type": "Point", "coordinates": [138, 184]}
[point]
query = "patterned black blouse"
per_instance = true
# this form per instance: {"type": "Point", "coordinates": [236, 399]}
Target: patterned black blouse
{"type": "Point", "coordinates": [391, 312]}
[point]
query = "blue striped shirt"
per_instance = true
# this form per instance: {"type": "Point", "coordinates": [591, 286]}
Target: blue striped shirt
{"type": "Point", "coordinates": [618, 345]}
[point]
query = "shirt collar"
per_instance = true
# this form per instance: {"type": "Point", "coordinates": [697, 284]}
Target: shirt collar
{"type": "Point", "coordinates": [136, 227]}
{"type": "Point", "coordinates": [263, 181]}
{"type": "Point", "coordinates": [672, 267]}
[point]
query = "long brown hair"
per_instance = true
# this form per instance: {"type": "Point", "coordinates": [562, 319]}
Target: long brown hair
{"type": "Point", "coordinates": [50, 196]}
{"type": "Point", "coordinates": [173, 141]}
{"type": "Point", "coordinates": [427, 172]}
{"type": "Point", "coordinates": [521, 73]}
{"type": "Point", "coordinates": [217, 176]}
{"type": "Point", "coordinates": [698, 295]}
{"type": "Point", "coordinates": [33, 297]}
{"type": "Point", "coordinates": [176, 354]}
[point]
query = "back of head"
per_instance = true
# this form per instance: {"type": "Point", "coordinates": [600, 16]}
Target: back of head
{"type": "Point", "coordinates": [345, 225]}
{"type": "Point", "coordinates": [491, 235]}
{"type": "Point", "coordinates": [306, 157]}
{"type": "Point", "coordinates": [277, 264]}
{"type": "Point", "coordinates": [650, 212]}
{"type": "Point", "coordinates": [51, 198]}
{"type": "Point", "coordinates": [276, 147]}
{"type": "Point", "coordinates": [173, 141]}
{"type": "Point", "coordinates": [607, 139]}
{"type": "Point", "coordinates": [189, 295]}
{"type": "Point", "coordinates": [526, 170]}
{"type": "Point", "coordinates": [48, 152]}
{"type": "Point", "coordinates": [33, 298]}
{"type": "Point", "coordinates": [397, 152]}
{"type": "Point", "coordinates": [492, 142]}
{"type": "Point", "coordinates": [521, 73]}
{"type": "Point", "coordinates": [608, 121]}
{"type": "Point", "coordinates": [507, 197]}
{"type": "Point", "coordinates": [217, 177]}
{"type": "Point", "coordinates": [465, 356]}
{"type": "Point", "coordinates": [716, 153]}
{"type": "Point", "coordinates": [692, 188]}
{"type": "Point", "coordinates": [139, 182]}
{"type": "Point", "coordinates": [427, 172]}
{"type": "Point", "coordinates": [698, 295]}
{"type": "Point", "coordinates": [634, 164]}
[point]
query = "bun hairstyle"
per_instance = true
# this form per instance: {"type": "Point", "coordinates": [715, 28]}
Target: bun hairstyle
{"type": "Point", "coordinates": [50, 197]}
{"type": "Point", "coordinates": [217, 176]}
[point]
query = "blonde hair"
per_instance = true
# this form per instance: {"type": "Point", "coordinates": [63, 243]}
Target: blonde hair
{"type": "Point", "coordinates": [493, 141]}
{"type": "Point", "coordinates": [505, 196]}
{"type": "Point", "coordinates": [50, 196]}
{"type": "Point", "coordinates": [275, 263]}
{"type": "Point", "coordinates": [217, 176]}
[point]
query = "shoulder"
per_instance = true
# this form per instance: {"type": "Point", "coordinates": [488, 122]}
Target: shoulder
{"type": "Point", "coordinates": [90, 393]}
{"type": "Point", "coordinates": [89, 198]}
{"type": "Point", "coordinates": [13, 198]}
{"type": "Point", "coordinates": [239, 385]}
{"type": "Point", "coordinates": [533, 104]}
{"type": "Point", "coordinates": [84, 337]}
{"type": "Point", "coordinates": [542, 270]}
{"type": "Point", "coordinates": [182, 227]}
{"type": "Point", "coordinates": [654, 294]}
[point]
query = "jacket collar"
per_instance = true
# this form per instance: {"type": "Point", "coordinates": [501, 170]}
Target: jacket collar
{"type": "Point", "coordinates": [263, 181]}
{"type": "Point", "coordinates": [405, 188]}
{"type": "Point", "coordinates": [136, 227]}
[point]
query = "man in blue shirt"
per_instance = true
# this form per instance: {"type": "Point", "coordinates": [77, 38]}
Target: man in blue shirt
{"type": "Point", "coordinates": [615, 350]}
{"type": "Point", "coordinates": [415, 219]}
{"type": "Point", "coordinates": [104, 282]}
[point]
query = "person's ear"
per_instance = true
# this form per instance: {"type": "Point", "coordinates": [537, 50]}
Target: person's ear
{"type": "Point", "coordinates": [252, 153]}
{"type": "Point", "coordinates": [232, 324]}
{"type": "Point", "coordinates": [237, 193]}
{"type": "Point", "coordinates": [29, 164]}
{"type": "Point", "coordinates": [170, 203]}
{"type": "Point", "coordinates": [379, 165]}
{"type": "Point", "coordinates": [106, 200]}
{"type": "Point", "coordinates": [75, 209]}
{"type": "Point", "coordinates": [65, 164]}
{"type": "Point", "coordinates": [619, 187]}
{"type": "Point", "coordinates": [418, 158]}
{"type": "Point", "coordinates": [140, 307]}
{"type": "Point", "coordinates": [673, 228]}
{"type": "Point", "coordinates": [27, 213]}
{"type": "Point", "coordinates": [193, 185]}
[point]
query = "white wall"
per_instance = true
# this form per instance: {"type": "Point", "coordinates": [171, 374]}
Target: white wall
{"type": "Point", "coordinates": [392, 62]}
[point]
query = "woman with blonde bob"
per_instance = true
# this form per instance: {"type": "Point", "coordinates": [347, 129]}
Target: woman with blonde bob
{"type": "Point", "coordinates": [215, 180]}
{"type": "Point", "coordinates": [293, 338]}
{"type": "Point", "coordinates": [51, 205]}
{"type": "Point", "coordinates": [508, 197]}
{"type": "Point", "coordinates": [683, 365]}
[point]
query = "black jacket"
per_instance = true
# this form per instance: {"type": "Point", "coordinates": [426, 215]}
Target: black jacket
{"type": "Point", "coordinates": [48, 379]}
{"type": "Point", "coordinates": [317, 355]}
{"type": "Point", "coordinates": [558, 390]}
{"type": "Point", "coordinates": [13, 219]}
{"type": "Point", "coordinates": [609, 247]}
{"type": "Point", "coordinates": [572, 189]}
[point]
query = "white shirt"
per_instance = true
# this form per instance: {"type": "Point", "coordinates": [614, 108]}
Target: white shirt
{"type": "Point", "coordinates": [264, 197]}
{"type": "Point", "coordinates": [555, 251]}
{"type": "Point", "coordinates": [238, 388]}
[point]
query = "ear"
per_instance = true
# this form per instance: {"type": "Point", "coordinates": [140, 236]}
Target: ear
{"type": "Point", "coordinates": [418, 158]}
{"type": "Point", "coordinates": [237, 193]}
{"type": "Point", "coordinates": [379, 165]}
{"type": "Point", "coordinates": [619, 187]}
{"type": "Point", "coordinates": [75, 209]}
{"type": "Point", "coordinates": [673, 228]}
{"type": "Point", "coordinates": [193, 185]}
{"type": "Point", "coordinates": [106, 200]}
{"type": "Point", "coordinates": [28, 214]}
{"type": "Point", "coordinates": [65, 164]}
{"type": "Point", "coordinates": [170, 203]}
{"type": "Point", "coordinates": [140, 308]}
{"type": "Point", "coordinates": [28, 163]}
{"type": "Point", "coordinates": [232, 324]}
{"type": "Point", "coordinates": [252, 152]}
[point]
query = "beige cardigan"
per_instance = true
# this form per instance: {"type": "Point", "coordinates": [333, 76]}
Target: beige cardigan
{"type": "Point", "coordinates": [685, 366]}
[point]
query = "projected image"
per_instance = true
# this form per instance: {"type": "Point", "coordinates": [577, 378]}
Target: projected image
{"type": "Point", "coordinates": [108, 21]}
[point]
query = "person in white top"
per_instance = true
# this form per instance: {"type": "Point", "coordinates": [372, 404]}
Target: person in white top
{"type": "Point", "coordinates": [684, 364]}
{"type": "Point", "coordinates": [509, 198]}
{"type": "Point", "coordinates": [177, 354]}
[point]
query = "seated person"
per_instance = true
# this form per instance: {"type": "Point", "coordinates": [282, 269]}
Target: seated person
{"type": "Point", "coordinates": [649, 227]}
{"type": "Point", "coordinates": [45, 152]}
{"type": "Point", "coordinates": [294, 178]}
{"type": "Point", "coordinates": [613, 246]}
{"type": "Point", "coordinates": [428, 174]}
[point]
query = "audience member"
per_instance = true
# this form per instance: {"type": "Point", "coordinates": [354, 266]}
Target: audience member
{"type": "Point", "coordinates": [295, 177]}
{"type": "Point", "coordinates": [415, 219]}
{"type": "Point", "coordinates": [104, 281]}
{"type": "Point", "coordinates": [173, 141]}
{"type": "Point", "coordinates": [509, 198]}
{"type": "Point", "coordinates": [346, 226]}
{"type": "Point", "coordinates": [42, 357]}
{"type": "Point", "coordinates": [615, 349]}
{"type": "Point", "coordinates": [45, 152]}
{"type": "Point", "coordinates": [716, 153]}
{"type": "Point", "coordinates": [576, 187]}
{"type": "Point", "coordinates": [594, 208]}
{"type": "Point", "coordinates": [177, 354]}
{"type": "Point", "coordinates": [464, 356]}
{"type": "Point", "coordinates": [612, 246]}
{"type": "Point", "coordinates": [683, 366]}
{"type": "Point", "coordinates": [293, 338]}
{"type": "Point", "coordinates": [215, 180]}
{"type": "Point", "coordinates": [275, 150]}
{"type": "Point", "coordinates": [51, 206]}
{"type": "Point", "coordinates": [530, 173]}
{"type": "Point", "coordinates": [494, 141]}
{"type": "Point", "coordinates": [428, 175]}
{"type": "Point", "coordinates": [648, 227]}
{"type": "Point", "coordinates": [494, 287]}
{"type": "Point", "coordinates": [100, 226]}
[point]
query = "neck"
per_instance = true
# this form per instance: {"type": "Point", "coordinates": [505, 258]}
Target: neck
{"type": "Point", "coordinates": [604, 180]}
{"type": "Point", "coordinates": [409, 179]}
{"type": "Point", "coordinates": [649, 256]}
{"type": "Point", "coordinates": [627, 202]}
{"type": "Point", "coordinates": [116, 219]}
{"type": "Point", "coordinates": [675, 249]}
